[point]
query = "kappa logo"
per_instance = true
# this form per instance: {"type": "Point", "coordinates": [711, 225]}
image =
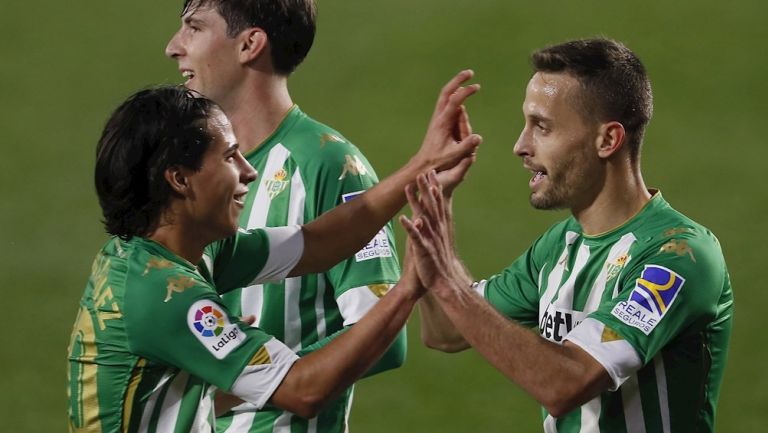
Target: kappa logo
{"type": "Point", "coordinates": [277, 184]}
{"type": "Point", "coordinates": [654, 293]}
{"type": "Point", "coordinates": [376, 247]}
{"type": "Point", "coordinates": [212, 327]}
{"type": "Point", "coordinates": [354, 166]}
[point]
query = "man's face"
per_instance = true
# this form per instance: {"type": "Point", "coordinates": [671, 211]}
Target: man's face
{"type": "Point", "coordinates": [218, 189]}
{"type": "Point", "coordinates": [558, 144]}
{"type": "Point", "coordinates": [207, 57]}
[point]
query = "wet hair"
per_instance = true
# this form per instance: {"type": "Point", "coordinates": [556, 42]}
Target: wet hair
{"type": "Point", "coordinates": [615, 86]}
{"type": "Point", "coordinates": [153, 130]}
{"type": "Point", "coordinates": [289, 25]}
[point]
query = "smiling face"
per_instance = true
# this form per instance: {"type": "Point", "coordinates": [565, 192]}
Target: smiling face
{"type": "Point", "coordinates": [208, 58]}
{"type": "Point", "coordinates": [218, 189]}
{"type": "Point", "coordinates": [558, 144]}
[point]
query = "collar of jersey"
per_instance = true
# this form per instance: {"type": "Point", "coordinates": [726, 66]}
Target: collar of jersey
{"type": "Point", "coordinates": [160, 250]}
{"type": "Point", "coordinates": [293, 114]}
{"type": "Point", "coordinates": [656, 202]}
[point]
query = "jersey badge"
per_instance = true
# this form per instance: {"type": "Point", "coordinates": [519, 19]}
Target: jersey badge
{"type": "Point", "coordinates": [376, 247]}
{"type": "Point", "coordinates": [213, 329]}
{"type": "Point", "coordinates": [277, 184]}
{"type": "Point", "coordinates": [614, 268]}
{"type": "Point", "coordinates": [679, 247]}
{"type": "Point", "coordinates": [353, 166]}
{"type": "Point", "coordinates": [609, 335]}
{"type": "Point", "coordinates": [157, 263]}
{"type": "Point", "coordinates": [261, 357]}
{"type": "Point", "coordinates": [654, 293]}
{"type": "Point", "coordinates": [177, 285]}
{"type": "Point", "coordinates": [325, 138]}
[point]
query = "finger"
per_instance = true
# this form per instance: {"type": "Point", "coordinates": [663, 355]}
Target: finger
{"type": "Point", "coordinates": [455, 100]}
{"type": "Point", "coordinates": [462, 124]}
{"type": "Point", "coordinates": [429, 207]}
{"type": "Point", "coordinates": [451, 86]}
{"type": "Point", "coordinates": [461, 150]}
{"type": "Point", "coordinates": [248, 320]}
{"type": "Point", "coordinates": [414, 234]}
{"type": "Point", "coordinates": [413, 200]}
{"type": "Point", "coordinates": [437, 194]}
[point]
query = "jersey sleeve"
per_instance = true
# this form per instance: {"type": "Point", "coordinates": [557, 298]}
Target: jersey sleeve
{"type": "Point", "coordinates": [254, 256]}
{"type": "Point", "coordinates": [671, 291]}
{"type": "Point", "coordinates": [514, 291]}
{"type": "Point", "coordinates": [190, 329]}
{"type": "Point", "coordinates": [341, 174]}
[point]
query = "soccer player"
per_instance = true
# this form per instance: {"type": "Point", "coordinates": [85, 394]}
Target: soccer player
{"type": "Point", "coordinates": [631, 299]}
{"type": "Point", "coordinates": [151, 334]}
{"type": "Point", "coordinates": [240, 53]}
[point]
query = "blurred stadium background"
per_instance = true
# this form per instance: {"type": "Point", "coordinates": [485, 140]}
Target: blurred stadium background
{"type": "Point", "coordinates": [373, 74]}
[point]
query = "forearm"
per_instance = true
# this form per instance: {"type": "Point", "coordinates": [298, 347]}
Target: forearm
{"type": "Point", "coordinates": [324, 374]}
{"type": "Point", "coordinates": [559, 377]}
{"type": "Point", "coordinates": [437, 330]}
{"type": "Point", "coordinates": [344, 230]}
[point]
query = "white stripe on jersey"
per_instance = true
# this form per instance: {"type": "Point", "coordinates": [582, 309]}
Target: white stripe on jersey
{"type": "Point", "coordinates": [282, 423]}
{"type": "Point", "coordinates": [312, 425]}
{"type": "Point", "coordinates": [206, 417]}
{"type": "Point", "coordinates": [251, 301]}
{"type": "Point", "coordinates": [565, 294]}
{"type": "Point", "coordinates": [553, 281]}
{"type": "Point", "coordinates": [256, 383]}
{"type": "Point", "coordinates": [633, 406]}
{"type": "Point", "coordinates": [590, 415]}
{"type": "Point", "coordinates": [618, 249]}
{"type": "Point", "coordinates": [661, 385]}
{"type": "Point", "coordinates": [241, 422]}
{"type": "Point", "coordinates": [320, 307]}
{"type": "Point", "coordinates": [550, 424]}
{"type": "Point", "coordinates": [169, 411]}
{"type": "Point", "coordinates": [286, 246]}
{"type": "Point", "coordinates": [292, 315]}
{"type": "Point", "coordinates": [149, 408]}
{"type": "Point", "coordinates": [275, 161]}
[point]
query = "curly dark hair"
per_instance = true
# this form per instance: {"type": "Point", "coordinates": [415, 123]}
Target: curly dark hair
{"type": "Point", "coordinates": [615, 85]}
{"type": "Point", "coordinates": [289, 24]}
{"type": "Point", "coordinates": [151, 131]}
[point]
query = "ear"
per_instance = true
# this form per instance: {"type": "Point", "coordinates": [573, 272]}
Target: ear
{"type": "Point", "coordinates": [252, 43]}
{"type": "Point", "coordinates": [178, 180]}
{"type": "Point", "coordinates": [610, 139]}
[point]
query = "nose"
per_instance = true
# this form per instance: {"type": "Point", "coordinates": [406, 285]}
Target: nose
{"type": "Point", "coordinates": [247, 173]}
{"type": "Point", "coordinates": [523, 145]}
{"type": "Point", "coordinates": [174, 48]}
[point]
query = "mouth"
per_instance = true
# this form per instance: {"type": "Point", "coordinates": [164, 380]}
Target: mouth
{"type": "Point", "coordinates": [240, 198]}
{"type": "Point", "coordinates": [188, 75]}
{"type": "Point", "coordinates": [539, 174]}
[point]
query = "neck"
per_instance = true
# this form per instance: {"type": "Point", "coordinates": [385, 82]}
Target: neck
{"type": "Point", "coordinates": [621, 196]}
{"type": "Point", "coordinates": [257, 109]}
{"type": "Point", "coordinates": [178, 240]}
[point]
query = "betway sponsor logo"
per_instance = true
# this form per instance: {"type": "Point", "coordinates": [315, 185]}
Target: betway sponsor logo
{"type": "Point", "coordinates": [556, 323]}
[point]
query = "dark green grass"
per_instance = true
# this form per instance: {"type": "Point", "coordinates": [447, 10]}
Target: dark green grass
{"type": "Point", "coordinates": [373, 74]}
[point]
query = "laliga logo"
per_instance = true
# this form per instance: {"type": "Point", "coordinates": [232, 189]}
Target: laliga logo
{"type": "Point", "coordinates": [209, 321]}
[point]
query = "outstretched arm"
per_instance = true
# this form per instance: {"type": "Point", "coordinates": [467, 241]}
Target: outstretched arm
{"type": "Point", "coordinates": [559, 377]}
{"type": "Point", "coordinates": [345, 229]}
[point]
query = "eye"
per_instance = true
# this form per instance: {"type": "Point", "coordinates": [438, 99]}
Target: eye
{"type": "Point", "coordinates": [541, 127]}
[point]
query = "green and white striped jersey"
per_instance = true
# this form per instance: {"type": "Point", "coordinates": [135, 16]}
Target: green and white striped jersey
{"type": "Point", "coordinates": [305, 169]}
{"type": "Point", "coordinates": [152, 341]}
{"type": "Point", "coordinates": [651, 301]}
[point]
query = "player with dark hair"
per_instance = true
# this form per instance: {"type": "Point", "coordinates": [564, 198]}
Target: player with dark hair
{"type": "Point", "coordinates": [240, 54]}
{"type": "Point", "coordinates": [631, 299]}
{"type": "Point", "coordinates": [152, 336]}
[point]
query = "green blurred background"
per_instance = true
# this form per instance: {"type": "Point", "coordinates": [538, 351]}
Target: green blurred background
{"type": "Point", "coordinates": [373, 74]}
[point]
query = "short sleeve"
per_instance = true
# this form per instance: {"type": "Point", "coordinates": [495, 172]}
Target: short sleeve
{"type": "Point", "coordinates": [341, 175]}
{"type": "Point", "coordinates": [672, 291]}
{"type": "Point", "coordinates": [191, 330]}
{"type": "Point", "coordinates": [254, 256]}
{"type": "Point", "coordinates": [514, 291]}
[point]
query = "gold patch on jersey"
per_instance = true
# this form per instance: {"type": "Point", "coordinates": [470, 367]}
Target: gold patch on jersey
{"type": "Point", "coordinates": [277, 184]}
{"type": "Point", "coordinates": [675, 231]}
{"type": "Point", "coordinates": [261, 357]}
{"type": "Point", "coordinates": [178, 285]}
{"type": "Point", "coordinates": [325, 138]}
{"type": "Point", "coordinates": [616, 267]}
{"type": "Point", "coordinates": [353, 166]}
{"type": "Point", "coordinates": [379, 289]}
{"type": "Point", "coordinates": [609, 335]}
{"type": "Point", "coordinates": [157, 263]}
{"type": "Point", "coordinates": [679, 247]}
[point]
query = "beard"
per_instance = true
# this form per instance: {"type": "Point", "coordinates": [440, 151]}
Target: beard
{"type": "Point", "coordinates": [563, 183]}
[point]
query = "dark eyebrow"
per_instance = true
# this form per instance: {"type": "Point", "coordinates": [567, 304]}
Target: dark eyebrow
{"type": "Point", "coordinates": [191, 20]}
{"type": "Point", "coordinates": [536, 118]}
{"type": "Point", "coordinates": [232, 149]}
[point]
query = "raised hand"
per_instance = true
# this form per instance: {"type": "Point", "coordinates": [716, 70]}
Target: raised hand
{"type": "Point", "coordinates": [433, 252]}
{"type": "Point", "coordinates": [449, 139]}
